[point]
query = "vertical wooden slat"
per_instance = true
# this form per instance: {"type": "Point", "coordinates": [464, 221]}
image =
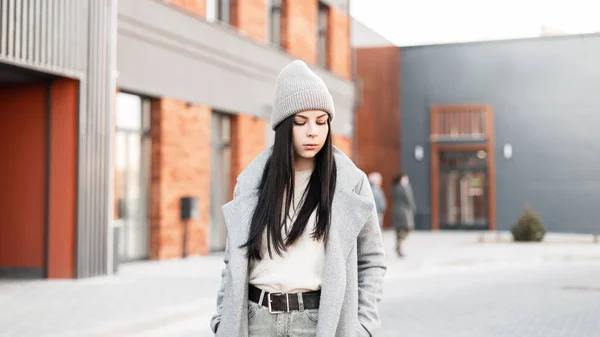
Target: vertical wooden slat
{"type": "Point", "coordinates": [463, 122]}
{"type": "Point", "coordinates": [470, 118]}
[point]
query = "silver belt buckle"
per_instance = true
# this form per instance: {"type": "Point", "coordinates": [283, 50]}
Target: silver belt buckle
{"type": "Point", "coordinates": [269, 300]}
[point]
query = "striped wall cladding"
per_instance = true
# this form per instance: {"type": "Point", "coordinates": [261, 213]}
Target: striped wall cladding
{"type": "Point", "coordinates": [94, 244]}
{"type": "Point", "coordinates": [45, 35]}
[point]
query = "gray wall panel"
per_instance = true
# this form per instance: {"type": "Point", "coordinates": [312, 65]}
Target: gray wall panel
{"type": "Point", "coordinates": [95, 143]}
{"type": "Point", "coordinates": [544, 93]}
{"type": "Point", "coordinates": [163, 51]}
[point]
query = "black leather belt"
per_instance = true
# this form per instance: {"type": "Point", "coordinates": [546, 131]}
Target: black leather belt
{"type": "Point", "coordinates": [279, 302]}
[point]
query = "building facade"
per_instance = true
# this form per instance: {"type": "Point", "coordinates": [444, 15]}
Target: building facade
{"type": "Point", "coordinates": [142, 119]}
{"type": "Point", "coordinates": [484, 129]}
{"type": "Point", "coordinates": [497, 125]}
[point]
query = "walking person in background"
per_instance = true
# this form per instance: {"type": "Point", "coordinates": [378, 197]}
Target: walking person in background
{"type": "Point", "coordinates": [403, 209]}
{"type": "Point", "coordinates": [376, 180]}
{"type": "Point", "coordinates": [304, 255]}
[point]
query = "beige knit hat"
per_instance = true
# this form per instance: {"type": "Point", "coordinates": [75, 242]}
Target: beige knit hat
{"type": "Point", "coordinates": [299, 89]}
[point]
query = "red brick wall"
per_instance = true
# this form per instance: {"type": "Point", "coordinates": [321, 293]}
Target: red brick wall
{"type": "Point", "coordinates": [250, 16]}
{"type": "Point", "coordinates": [344, 144]}
{"type": "Point", "coordinates": [299, 29]}
{"type": "Point", "coordinates": [197, 7]}
{"type": "Point", "coordinates": [180, 167]}
{"type": "Point", "coordinates": [248, 139]}
{"type": "Point", "coordinates": [339, 43]}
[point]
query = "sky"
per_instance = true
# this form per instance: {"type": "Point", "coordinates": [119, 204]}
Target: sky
{"type": "Point", "coordinates": [417, 22]}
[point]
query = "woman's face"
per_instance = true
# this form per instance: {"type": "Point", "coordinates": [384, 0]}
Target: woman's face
{"type": "Point", "coordinates": [309, 133]}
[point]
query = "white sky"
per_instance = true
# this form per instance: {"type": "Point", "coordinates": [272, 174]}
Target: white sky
{"type": "Point", "coordinates": [414, 22]}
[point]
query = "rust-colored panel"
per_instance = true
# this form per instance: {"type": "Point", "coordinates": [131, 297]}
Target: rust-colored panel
{"type": "Point", "coordinates": [460, 120]}
{"type": "Point", "coordinates": [23, 123]}
{"type": "Point", "coordinates": [63, 179]}
{"type": "Point", "coordinates": [378, 118]}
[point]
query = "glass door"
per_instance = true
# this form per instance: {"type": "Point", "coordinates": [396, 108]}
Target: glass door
{"type": "Point", "coordinates": [132, 176]}
{"type": "Point", "coordinates": [463, 190]}
{"type": "Point", "coordinates": [220, 187]}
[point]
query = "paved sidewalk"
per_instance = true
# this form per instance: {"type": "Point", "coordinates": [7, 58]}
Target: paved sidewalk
{"type": "Point", "coordinates": [150, 298]}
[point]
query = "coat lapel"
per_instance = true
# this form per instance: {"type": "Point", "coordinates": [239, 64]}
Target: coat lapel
{"type": "Point", "coordinates": [350, 212]}
{"type": "Point", "coordinates": [238, 214]}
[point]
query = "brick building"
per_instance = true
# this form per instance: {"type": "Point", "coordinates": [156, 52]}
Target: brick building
{"type": "Point", "coordinates": [147, 103]}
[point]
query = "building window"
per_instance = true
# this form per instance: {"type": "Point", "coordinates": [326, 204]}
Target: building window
{"type": "Point", "coordinates": [218, 10]}
{"type": "Point", "coordinates": [323, 36]}
{"type": "Point", "coordinates": [275, 22]}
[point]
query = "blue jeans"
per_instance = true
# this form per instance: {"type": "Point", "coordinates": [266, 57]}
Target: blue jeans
{"type": "Point", "coordinates": [261, 323]}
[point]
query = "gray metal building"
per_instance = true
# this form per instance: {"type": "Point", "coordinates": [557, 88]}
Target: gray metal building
{"type": "Point", "coordinates": [540, 97]}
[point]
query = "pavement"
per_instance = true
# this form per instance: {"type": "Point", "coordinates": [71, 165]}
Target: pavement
{"type": "Point", "coordinates": [177, 297]}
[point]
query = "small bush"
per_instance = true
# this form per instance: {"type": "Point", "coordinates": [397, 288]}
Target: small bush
{"type": "Point", "coordinates": [529, 227]}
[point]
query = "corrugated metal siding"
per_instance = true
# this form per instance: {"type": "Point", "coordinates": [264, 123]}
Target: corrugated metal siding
{"type": "Point", "coordinates": [95, 143]}
{"type": "Point", "coordinates": [47, 36]}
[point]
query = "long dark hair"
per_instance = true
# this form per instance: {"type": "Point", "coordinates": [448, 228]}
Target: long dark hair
{"type": "Point", "coordinates": [278, 182]}
{"type": "Point", "coordinates": [398, 177]}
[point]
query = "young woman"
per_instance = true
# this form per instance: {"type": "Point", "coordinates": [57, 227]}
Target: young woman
{"type": "Point", "coordinates": [305, 255]}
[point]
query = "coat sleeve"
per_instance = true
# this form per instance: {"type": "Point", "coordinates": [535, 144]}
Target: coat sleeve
{"type": "Point", "coordinates": [225, 280]}
{"type": "Point", "coordinates": [216, 319]}
{"type": "Point", "coordinates": [371, 268]}
{"type": "Point", "coordinates": [411, 198]}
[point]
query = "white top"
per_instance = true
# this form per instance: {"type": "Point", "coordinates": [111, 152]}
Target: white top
{"type": "Point", "coordinates": [300, 268]}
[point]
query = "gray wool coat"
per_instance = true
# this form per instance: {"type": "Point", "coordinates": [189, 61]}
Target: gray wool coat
{"type": "Point", "coordinates": [354, 257]}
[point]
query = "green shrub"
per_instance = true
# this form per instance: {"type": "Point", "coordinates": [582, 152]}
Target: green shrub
{"type": "Point", "coordinates": [529, 227]}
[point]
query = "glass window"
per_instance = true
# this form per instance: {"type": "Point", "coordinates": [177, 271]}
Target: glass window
{"type": "Point", "coordinates": [322, 39]}
{"type": "Point", "coordinates": [275, 22]}
{"type": "Point", "coordinates": [129, 111]}
{"type": "Point", "coordinates": [211, 10]}
{"type": "Point", "coordinates": [218, 10]}
{"type": "Point", "coordinates": [223, 11]}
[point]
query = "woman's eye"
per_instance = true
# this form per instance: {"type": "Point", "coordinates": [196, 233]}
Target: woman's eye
{"type": "Point", "coordinates": [299, 123]}
{"type": "Point", "coordinates": [321, 123]}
